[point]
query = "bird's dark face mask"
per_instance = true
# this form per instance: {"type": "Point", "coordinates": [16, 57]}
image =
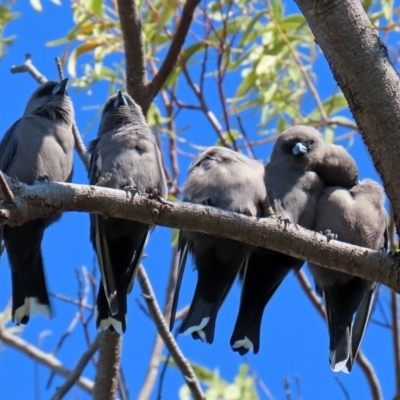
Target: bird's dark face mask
{"type": "Point", "coordinates": [299, 148]}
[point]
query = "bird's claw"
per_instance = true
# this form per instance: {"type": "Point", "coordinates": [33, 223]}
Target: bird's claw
{"type": "Point", "coordinates": [133, 190]}
{"type": "Point", "coordinates": [104, 179]}
{"type": "Point", "coordinates": [285, 221]}
{"type": "Point", "coordinates": [42, 179]}
{"type": "Point", "coordinates": [329, 235]}
{"type": "Point", "coordinates": [155, 194]}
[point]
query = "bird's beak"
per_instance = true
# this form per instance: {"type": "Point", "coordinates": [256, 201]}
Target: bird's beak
{"type": "Point", "coordinates": [299, 148]}
{"type": "Point", "coordinates": [60, 88]}
{"type": "Point", "coordinates": [120, 100]}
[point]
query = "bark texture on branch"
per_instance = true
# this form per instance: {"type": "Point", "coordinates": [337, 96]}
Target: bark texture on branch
{"type": "Point", "coordinates": [42, 199]}
{"type": "Point", "coordinates": [106, 382]}
{"type": "Point", "coordinates": [360, 64]}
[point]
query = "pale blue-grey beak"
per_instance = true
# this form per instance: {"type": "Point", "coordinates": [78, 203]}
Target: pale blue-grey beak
{"type": "Point", "coordinates": [120, 100]}
{"type": "Point", "coordinates": [299, 148]}
{"type": "Point", "coordinates": [60, 88]}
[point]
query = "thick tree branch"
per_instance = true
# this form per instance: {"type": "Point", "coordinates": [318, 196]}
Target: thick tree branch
{"type": "Point", "coordinates": [360, 64]}
{"type": "Point", "coordinates": [175, 48]}
{"type": "Point", "coordinates": [131, 27]}
{"type": "Point", "coordinates": [106, 382]}
{"type": "Point", "coordinates": [162, 327]}
{"type": "Point", "coordinates": [44, 358]}
{"type": "Point", "coordinates": [42, 199]}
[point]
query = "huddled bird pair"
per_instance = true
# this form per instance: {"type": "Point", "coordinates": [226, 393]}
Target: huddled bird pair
{"type": "Point", "coordinates": [39, 146]}
{"type": "Point", "coordinates": [305, 182]}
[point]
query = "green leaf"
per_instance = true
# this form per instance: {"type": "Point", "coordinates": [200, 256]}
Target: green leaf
{"type": "Point", "coordinates": [387, 7]}
{"type": "Point", "coordinates": [97, 7]}
{"type": "Point", "coordinates": [84, 48]}
{"type": "Point", "coordinates": [249, 27]}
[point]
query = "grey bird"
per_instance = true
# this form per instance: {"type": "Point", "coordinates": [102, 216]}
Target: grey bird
{"type": "Point", "coordinates": [228, 180]}
{"type": "Point", "coordinates": [38, 146]}
{"type": "Point", "coordinates": [356, 216]}
{"type": "Point", "coordinates": [125, 156]}
{"type": "Point", "coordinates": [293, 188]}
{"type": "Point", "coordinates": [337, 167]}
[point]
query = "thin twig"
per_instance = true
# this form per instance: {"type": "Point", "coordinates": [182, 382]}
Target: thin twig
{"type": "Point", "coordinates": [59, 68]}
{"type": "Point", "coordinates": [156, 353]}
{"type": "Point", "coordinates": [43, 358]}
{"type": "Point", "coordinates": [76, 373]}
{"type": "Point", "coordinates": [180, 360]}
{"type": "Point", "coordinates": [396, 343]}
{"type": "Point", "coordinates": [28, 67]}
{"type": "Point", "coordinates": [286, 386]}
{"type": "Point", "coordinates": [342, 387]}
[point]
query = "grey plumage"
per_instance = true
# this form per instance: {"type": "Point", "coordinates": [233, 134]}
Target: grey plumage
{"type": "Point", "coordinates": [358, 217]}
{"type": "Point", "coordinates": [337, 167]}
{"type": "Point", "coordinates": [221, 178]}
{"type": "Point", "coordinates": [40, 144]}
{"type": "Point", "coordinates": [293, 188]}
{"type": "Point", "coordinates": [124, 156]}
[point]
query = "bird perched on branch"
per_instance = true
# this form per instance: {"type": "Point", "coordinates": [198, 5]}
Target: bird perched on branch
{"type": "Point", "coordinates": [357, 216]}
{"type": "Point", "coordinates": [296, 174]}
{"type": "Point", "coordinates": [225, 179]}
{"type": "Point", "coordinates": [39, 146]}
{"type": "Point", "coordinates": [125, 156]}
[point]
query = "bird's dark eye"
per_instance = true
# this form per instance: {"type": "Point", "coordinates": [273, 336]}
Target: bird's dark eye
{"type": "Point", "coordinates": [311, 142]}
{"type": "Point", "coordinates": [287, 148]}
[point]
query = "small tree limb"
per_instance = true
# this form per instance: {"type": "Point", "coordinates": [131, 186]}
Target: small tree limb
{"type": "Point", "coordinates": [76, 373]}
{"type": "Point", "coordinates": [175, 48]}
{"type": "Point", "coordinates": [106, 382]}
{"type": "Point", "coordinates": [180, 360]}
{"type": "Point", "coordinates": [43, 358]}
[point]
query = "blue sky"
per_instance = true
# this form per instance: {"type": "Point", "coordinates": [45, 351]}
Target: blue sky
{"type": "Point", "coordinates": [294, 337]}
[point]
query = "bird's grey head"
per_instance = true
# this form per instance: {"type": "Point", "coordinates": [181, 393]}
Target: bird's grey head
{"type": "Point", "coordinates": [300, 143]}
{"type": "Point", "coordinates": [121, 109]}
{"type": "Point", "coordinates": [51, 100]}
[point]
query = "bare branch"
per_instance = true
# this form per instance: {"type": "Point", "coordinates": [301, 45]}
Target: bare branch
{"type": "Point", "coordinates": [43, 199]}
{"type": "Point", "coordinates": [175, 48]}
{"type": "Point", "coordinates": [106, 381]}
{"type": "Point", "coordinates": [396, 340]}
{"type": "Point", "coordinates": [76, 373]}
{"type": "Point", "coordinates": [27, 66]}
{"type": "Point", "coordinates": [156, 353]}
{"type": "Point", "coordinates": [180, 360]}
{"type": "Point", "coordinates": [43, 358]}
{"type": "Point", "coordinates": [131, 27]}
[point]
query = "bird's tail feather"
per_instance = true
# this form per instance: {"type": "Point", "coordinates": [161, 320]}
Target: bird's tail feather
{"type": "Point", "coordinates": [30, 296]}
{"type": "Point", "coordinates": [200, 320]}
{"type": "Point", "coordinates": [105, 320]}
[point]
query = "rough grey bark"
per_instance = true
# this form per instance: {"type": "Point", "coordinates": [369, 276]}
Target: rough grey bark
{"type": "Point", "coordinates": [42, 199]}
{"type": "Point", "coordinates": [360, 64]}
{"type": "Point", "coordinates": [107, 366]}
